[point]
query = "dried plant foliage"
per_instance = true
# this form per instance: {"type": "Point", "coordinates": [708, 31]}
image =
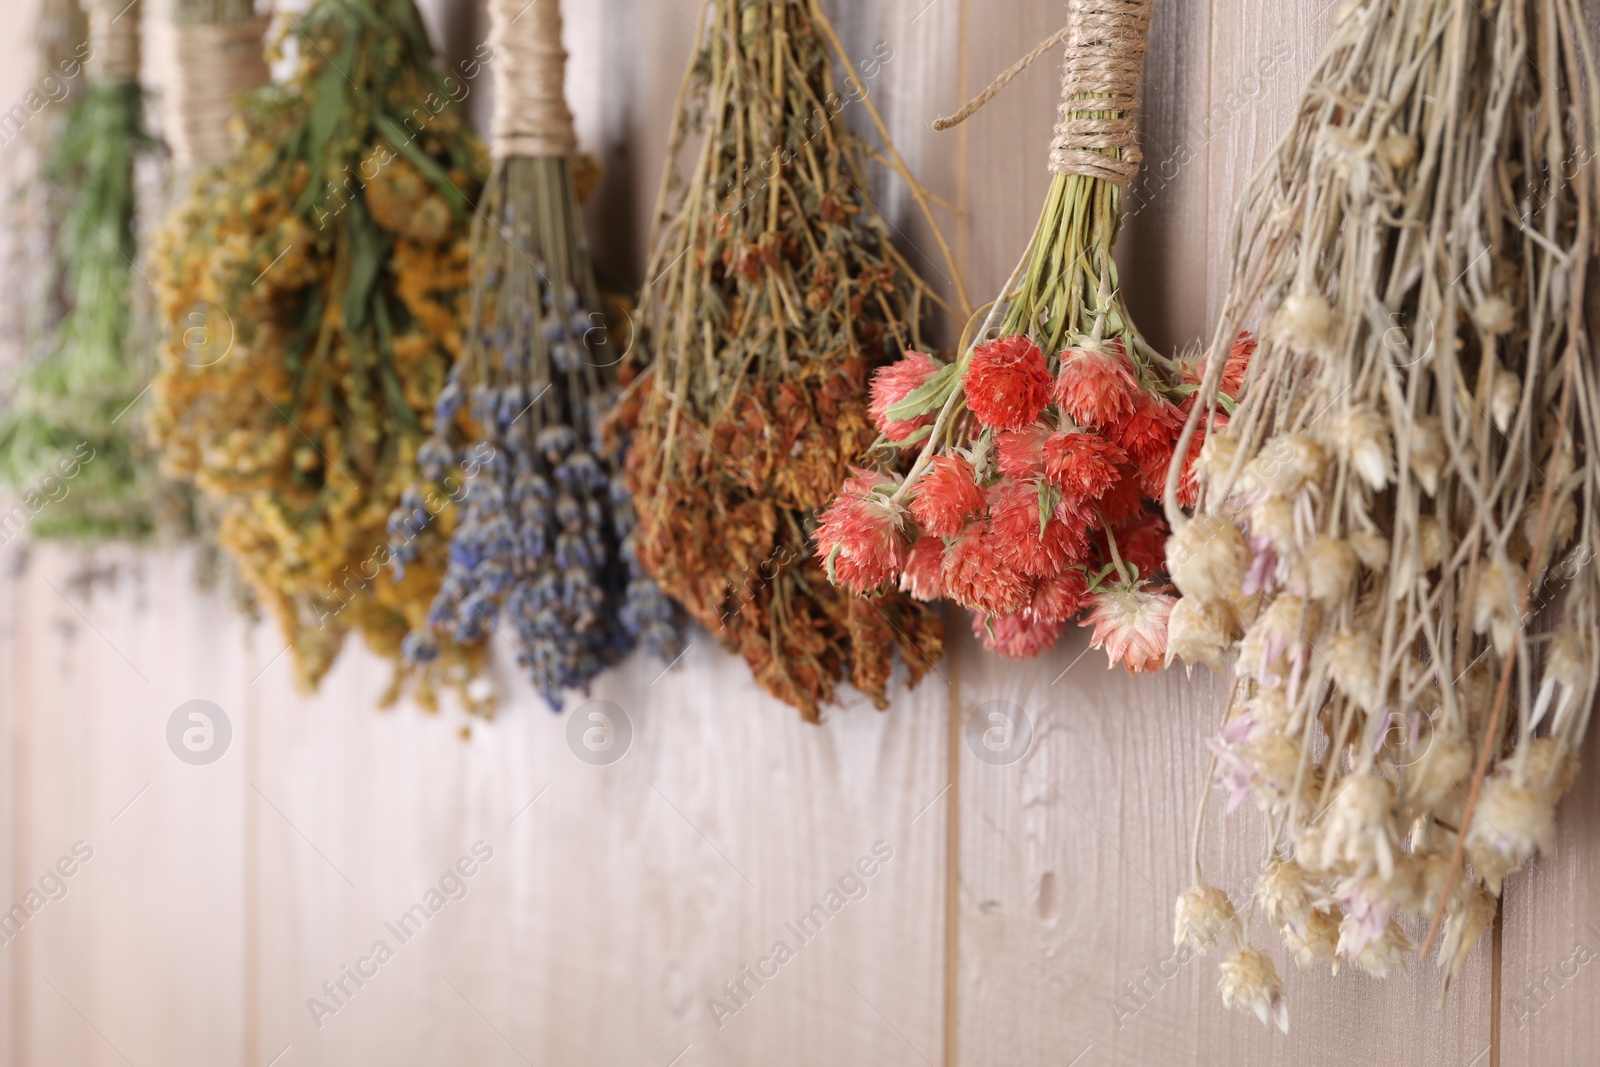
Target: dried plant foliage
{"type": "Point", "coordinates": [1396, 532]}
{"type": "Point", "coordinates": [773, 292]}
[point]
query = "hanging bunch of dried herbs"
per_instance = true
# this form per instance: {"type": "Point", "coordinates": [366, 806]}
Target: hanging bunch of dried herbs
{"type": "Point", "coordinates": [1041, 451]}
{"type": "Point", "coordinates": [218, 57]}
{"type": "Point", "coordinates": [79, 466]}
{"type": "Point", "coordinates": [773, 292]}
{"type": "Point", "coordinates": [324, 265]}
{"type": "Point", "coordinates": [542, 541]}
{"type": "Point", "coordinates": [1396, 528]}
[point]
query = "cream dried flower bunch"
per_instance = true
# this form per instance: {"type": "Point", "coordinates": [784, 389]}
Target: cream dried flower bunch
{"type": "Point", "coordinates": [1396, 521]}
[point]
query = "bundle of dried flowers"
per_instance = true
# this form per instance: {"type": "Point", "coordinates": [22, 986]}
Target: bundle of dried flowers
{"type": "Point", "coordinates": [773, 292]}
{"type": "Point", "coordinates": [1396, 528]}
{"type": "Point", "coordinates": [1040, 452]}
{"type": "Point", "coordinates": [325, 267]}
{"type": "Point", "coordinates": [543, 540]}
{"type": "Point", "coordinates": [63, 422]}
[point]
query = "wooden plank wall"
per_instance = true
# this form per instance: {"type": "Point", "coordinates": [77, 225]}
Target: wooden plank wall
{"type": "Point", "coordinates": [1023, 913]}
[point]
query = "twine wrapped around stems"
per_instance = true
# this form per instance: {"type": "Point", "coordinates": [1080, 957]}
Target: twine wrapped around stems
{"type": "Point", "coordinates": [531, 117]}
{"type": "Point", "coordinates": [114, 38]}
{"type": "Point", "coordinates": [217, 62]}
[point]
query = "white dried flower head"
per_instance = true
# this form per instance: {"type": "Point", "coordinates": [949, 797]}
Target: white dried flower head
{"type": "Point", "coordinates": [1494, 315]}
{"type": "Point", "coordinates": [1359, 829]}
{"type": "Point", "coordinates": [1284, 466]}
{"type": "Point", "coordinates": [1377, 955]}
{"type": "Point", "coordinates": [1509, 827]}
{"type": "Point", "coordinates": [1418, 556]}
{"type": "Point", "coordinates": [1430, 541]}
{"type": "Point", "coordinates": [1286, 892]}
{"type": "Point", "coordinates": [1551, 768]}
{"type": "Point", "coordinates": [1433, 782]}
{"type": "Point", "coordinates": [1250, 984]}
{"type": "Point", "coordinates": [1363, 439]}
{"type": "Point", "coordinates": [1494, 606]}
{"type": "Point", "coordinates": [1327, 567]}
{"type": "Point", "coordinates": [1270, 708]}
{"type": "Point", "coordinates": [1304, 322]}
{"type": "Point", "coordinates": [1353, 661]}
{"type": "Point", "coordinates": [1319, 940]}
{"type": "Point", "coordinates": [1463, 926]}
{"type": "Point", "coordinates": [1275, 759]}
{"type": "Point", "coordinates": [1429, 452]}
{"type": "Point", "coordinates": [1204, 918]}
{"type": "Point", "coordinates": [1275, 638]}
{"type": "Point", "coordinates": [1371, 549]}
{"type": "Point", "coordinates": [1199, 631]}
{"type": "Point", "coordinates": [1272, 517]}
{"type": "Point", "coordinates": [1505, 396]}
{"type": "Point", "coordinates": [1558, 527]}
{"type": "Point", "coordinates": [1207, 557]}
{"type": "Point", "coordinates": [1217, 457]}
{"type": "Point", "coordinates": [1399, 150]}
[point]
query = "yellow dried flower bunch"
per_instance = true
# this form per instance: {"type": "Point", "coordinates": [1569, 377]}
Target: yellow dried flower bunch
{"type": "Point", "coordinates": [1397, 523]}
{"type": "Point", "coordinates": [322, 274]}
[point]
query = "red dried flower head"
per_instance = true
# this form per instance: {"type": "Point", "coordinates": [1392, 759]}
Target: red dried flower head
{"type": "Point", "coordinates": [1123, 501]}
{"type": "Point", "coordinates": [947, 495]}
{"type": "Point", "coordinates": [1082, 465]}
{"type": "Point", "coordinates": [1018, 636]}
{"type": "Point", "coordinates": [920, 576]}
{"type": "Point", "coordinates": [1020, 453]}
{"type": "Point", "coordinates": [1148, 433]}
{"type": "Point", "coordinates": [1096, 386]}
{"type": "Point", "coordinates": [1021, 542]}
{"type": "Point", "coordinates": [860, 537]}
{"type": "Point", "coordinates": [1060, 596]}
{"type": "Point", "coordinates": [1233, 372]}
{"type": "Point", "coordinates": [894, 383]}
{"type": "Point", "coordinates": [1143, 543]}
{"type": "Point", "coordinates": [1131, 625]}
{"type": "Point", "coordinates": [1007, 383]}
{"type": "Point", "coordinates": [976, 578]}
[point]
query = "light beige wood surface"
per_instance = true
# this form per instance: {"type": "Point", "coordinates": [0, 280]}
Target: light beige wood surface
{"type": "Point", "coordinates": [618, 900]}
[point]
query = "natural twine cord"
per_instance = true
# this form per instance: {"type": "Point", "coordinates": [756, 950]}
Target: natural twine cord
{"type": "Point", "coordinates": [530, 104]}
{"type": "Point", "coordinates": [1106, 43]}
{"type": "Point", "coordinates": [217, 62]}
{"type": "Point", "coordinates": [114, 40]}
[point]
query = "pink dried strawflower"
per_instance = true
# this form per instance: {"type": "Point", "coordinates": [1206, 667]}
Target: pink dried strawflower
{"type": "Point", "coordinates": [1035, 547]}
{"type": "Point", "coordinates": [920, 575]}
{"type": "Point", "coordinates": [1096, 387]}
{"type": "Point", "coordinates": [894, 383]}
{"type": "Point", "coordinates": [1007, 383]}
{"type": "Point", "coordinates": [1131, 625]}
{"type": "Point", "coordinates": [1060, 596]}
{"type": "Point", "coordinates": [1018, 636]}
{"type": "Point", "coordinates": [1084, 466]}
{"type": "Point", "coordinates": [861, 536]}
{"type": "Point", "coordinates": [947, 495]}
{"type": "Point", "coordinates": [976, 578]}
{"type": "Point", "coordinates": [1020, 453]}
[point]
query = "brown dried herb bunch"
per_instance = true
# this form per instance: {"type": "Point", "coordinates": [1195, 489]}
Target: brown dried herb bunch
{"type": "Point", "coordinates": [774, 292]}
{"type": "Point", "coordinates": [1397, 527]}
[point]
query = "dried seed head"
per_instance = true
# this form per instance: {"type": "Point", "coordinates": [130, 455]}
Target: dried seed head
{"type": "Point", "coordinates": [1494, 315]}
{"type": "Point", "coordinates": [1216, 460]}
{"type": "Point", "coordinates": [1400, 150]}
{"type": "Point", "coordinates": [1204, 917]}
{"type": "Point", "coordinates": [1363, 439]}
{"type": "Point", "coordinates": [1198, 631]}
{"type": "Point", "coordinates": [1353, 661]}
{"type": "Point", "coordinates": [1463, 926]}
{"type": "Point", "coordinates": [1319, 940]}
{"type": "Point", "coordinates": [1327, 568]}
{"type": "Point", "coordinates": [1250, 983]}
{"type": "Point", "coordinates": [1509, 827]}
{"type": "Point", "coordinates": [1271, 708]}
{"type": "Point", "coordinates": [1359, 829]}
{"type": "Point", "coordinates": [1371, 549]}
{"type": "Point", "coordinates": [1428, 452]}
{"type": "Point", "coordinates": [1494, 606]}
{"type": "Point", "coordinates": [1275, 759]}
{"type": "Point", "coordinates": [1377, 955]}
{"type": "Point", "coordinates": [1304, 322]}
{"type": "Point", "coordinates": [1276, 631]}
{"type": "Point", "coordinates": [1430, 541]}
{"type": "Point", "coordinates": [1551, 768]}
{"type": "Point", "coordinates": [1285, 892]}
{"type": "Point", "coordinates": [1505, 394]}
{"type": "Point", "coordinates": [1273, 518]}
{"type": "Point", "coordinates": [1207, 557]}
{"type": "Point", "coordinates": [1432, 783]}
{"type": "Point", "coordinates": [1283, 466]}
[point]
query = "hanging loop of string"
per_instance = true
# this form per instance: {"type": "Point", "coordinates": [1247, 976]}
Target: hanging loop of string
{"type": "Point", "coordinates": [1097, 125]}
{"type": "Point", "coordinates": [531, 117]}
{"type": "Point", "coordinates": [217, 62]}
{"type": "Point", "coordinates": [114, 40]}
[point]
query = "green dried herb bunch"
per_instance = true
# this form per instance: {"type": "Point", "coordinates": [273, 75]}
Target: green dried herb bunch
{"type": "Point", "coordinates": [327, 261]}
{"type": "Point", "coordinates": [774, 293]}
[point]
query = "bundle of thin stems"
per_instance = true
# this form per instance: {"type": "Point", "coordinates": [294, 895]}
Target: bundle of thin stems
{"type": "Point", "coordinates": [323, 267]}
{"type": "Point", "coordinates": [1396, 529]}
{"type": "Point", "coordinates": [1041, 451]}
{"type": "Point", "coordinates": [66, 450]}
{"type": "Point", "coordinates": [772, 292]}
{"type": "Point", "coordinates": [219, 57]}
{"type": "Point", "coordinates": [542, 544]}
